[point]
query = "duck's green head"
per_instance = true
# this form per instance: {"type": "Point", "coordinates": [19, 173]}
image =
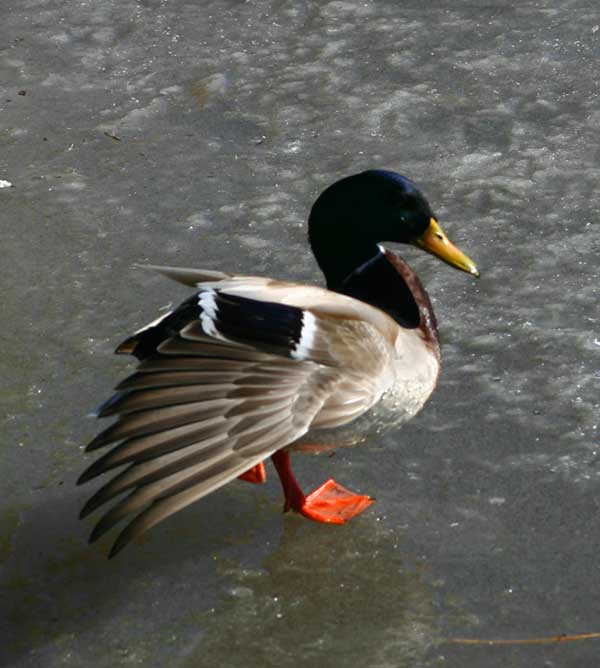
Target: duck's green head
{"type": "Point", "coordinates": [354, 214]}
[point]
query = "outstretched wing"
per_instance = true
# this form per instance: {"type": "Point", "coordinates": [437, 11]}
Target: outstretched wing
{"type": "Point", "coordinates": [224, 381]}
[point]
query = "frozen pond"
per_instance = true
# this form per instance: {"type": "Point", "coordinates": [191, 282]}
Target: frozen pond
{"type": "Point", "coordinates": [197, 133]}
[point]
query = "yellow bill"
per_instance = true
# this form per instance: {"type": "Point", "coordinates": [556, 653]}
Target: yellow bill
{"type": "Point", "coordinates": [435, 241]}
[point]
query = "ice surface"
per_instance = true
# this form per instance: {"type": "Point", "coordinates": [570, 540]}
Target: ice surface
{"type": "Point", "coordinates": [198, 134]}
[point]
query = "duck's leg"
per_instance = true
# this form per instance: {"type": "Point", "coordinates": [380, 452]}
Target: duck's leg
{"type": "Point", "coordinates": [329, 503]}
{"type": "Point", "coordinates": [257, 474]}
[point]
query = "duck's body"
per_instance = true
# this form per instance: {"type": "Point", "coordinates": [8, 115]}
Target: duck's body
{"type": "Point", "coordinates": [411, 375]}
{"type": "Point", "coordinates": [250, 367]}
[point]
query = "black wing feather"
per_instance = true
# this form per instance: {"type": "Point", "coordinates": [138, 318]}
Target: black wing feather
{"type": "Point", "coordinates": [266, 326]}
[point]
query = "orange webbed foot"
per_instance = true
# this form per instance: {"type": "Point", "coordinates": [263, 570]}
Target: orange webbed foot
{"type": "Point", "coordinates": [334, 504]}
{"type": "Point", "coordinates": [257, 474]}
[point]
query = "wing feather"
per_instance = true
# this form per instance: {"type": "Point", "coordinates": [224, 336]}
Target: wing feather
{"type": "Point", "coordinates": [147, 447]}
{"type": "Point", "coordinates": [223, 464]}
{"type": "Point", "coordinates": [232, 375]}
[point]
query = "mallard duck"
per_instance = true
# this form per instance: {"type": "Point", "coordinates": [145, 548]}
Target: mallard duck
{"type": "Point", "coordinates": [249, 368]}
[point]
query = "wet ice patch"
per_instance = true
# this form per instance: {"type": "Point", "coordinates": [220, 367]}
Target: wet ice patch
{"type": "Point", "coordinates": [292, 147]}
{"type": "Point", "coordinates": [60, 38]}
{"type": "Point", "coordinates": [136, 118]}
{"type": "Point", "coordinates": [580, 466]}
{"type": "Point", "coordinates": [476, 163]}
{"type": "Point", "coordinates": [397, 109]}
{"type": "Point", "coordinates": [198, 221]}
{"type": "Point", "coordinates": [104, 35]}
{"type": "Point", "coordinates": [334, 47]}
{"type": "Point", "coordinates": [339, 8]}
{"type": "Point", "coordinates": [205, 89]}
{"type": "Point", "coordinates": [72, 185]}
{"type": "Point", "coordinates": [254, 242]}
{"type": "Point", "coordinates": [171, 90]}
